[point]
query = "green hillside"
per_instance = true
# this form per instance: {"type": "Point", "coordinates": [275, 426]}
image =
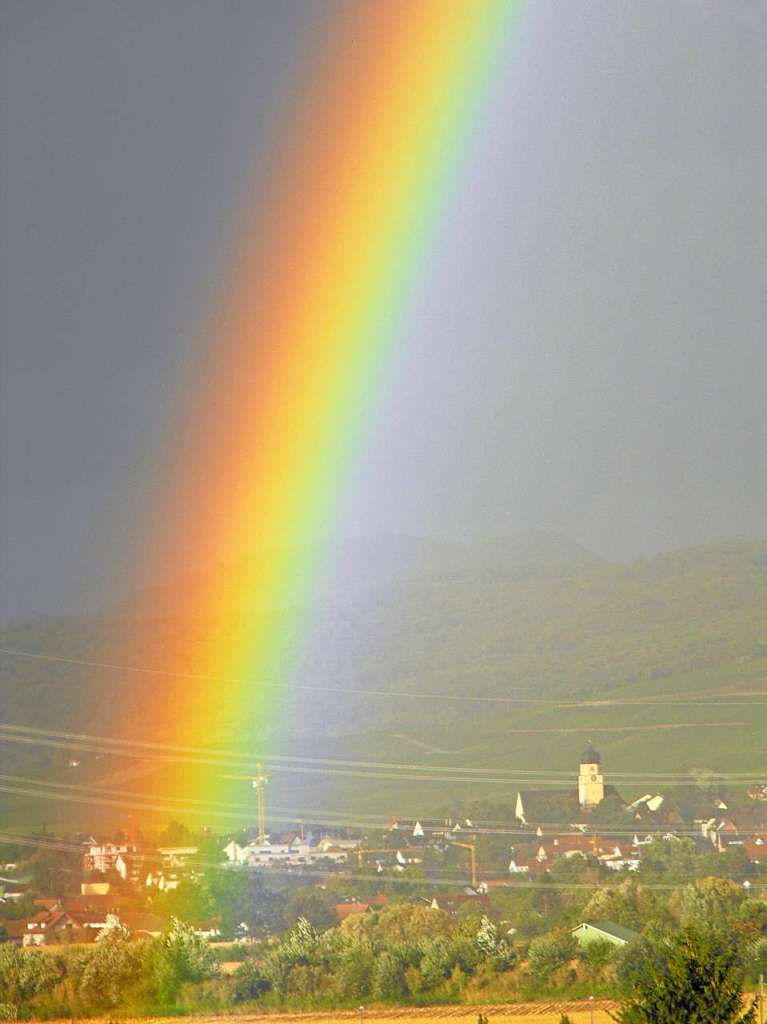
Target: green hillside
{"type": "Point", "coordinates": [541, 620]}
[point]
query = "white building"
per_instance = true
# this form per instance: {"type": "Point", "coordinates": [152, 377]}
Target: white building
{"type": "Point", "coordinates": [264, 855]}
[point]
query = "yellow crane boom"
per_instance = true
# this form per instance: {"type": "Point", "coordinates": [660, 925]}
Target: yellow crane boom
{"type": "Point", "coordinates": [472, 859]}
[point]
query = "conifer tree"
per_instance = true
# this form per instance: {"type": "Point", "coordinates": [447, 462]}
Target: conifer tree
{"type": "Point", "coordinates": [694, 976]}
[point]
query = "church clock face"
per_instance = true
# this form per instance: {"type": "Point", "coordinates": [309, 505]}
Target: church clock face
{"type": "Point", "coordinates": [593, 778]}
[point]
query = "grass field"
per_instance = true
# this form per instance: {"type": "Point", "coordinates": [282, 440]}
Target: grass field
{"type": "Point", "coordinates": [678, 725]}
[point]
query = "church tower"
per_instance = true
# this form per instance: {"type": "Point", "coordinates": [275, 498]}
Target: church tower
{"type": "Point", "coordinates": [591, 782]}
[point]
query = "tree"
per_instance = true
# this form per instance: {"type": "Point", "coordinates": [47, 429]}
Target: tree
{"type": "Point", "coordinates": [175, 834]}
{"type": "Point", "coordinates": [316, 907]}
{"type": "Point", "coordinates": [113, 968]}
{"type": "Point", "coordinates": [675, 861]}
{"type": "Point", "coordinates": [189, 901]}
{"type": "Point", "coordinates": [25, 973]}
{"type": "Point", "coordinates": [693, 976]}
{"type": "Point", "coordinates": [180, 955]}
{"type": "Point", "coordinates": [55, 872]}
{"type": "Point", "coordinates": [714, 900]}
{"type": "Point", "coordinates": [498, 951]}
{"type": "Point", "coordinates": [629, 904]}
{"type": "Point", "coordinates": [388, 977]}
{"type": "Point", "coordinates": [355, 969]}
{"type": "Point", "coordinates": [238, 895]}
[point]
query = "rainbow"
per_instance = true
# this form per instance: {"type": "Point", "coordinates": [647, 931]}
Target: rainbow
{"type": "Point", "coordinates": [331, 254]}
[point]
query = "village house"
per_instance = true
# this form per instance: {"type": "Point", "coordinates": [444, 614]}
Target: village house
{"type": "Point", "coordinates": [104, 857]}
{"type": "Point", "coordinates": [603, 931]}
{"type": "Point", "coordinates": [82, 919]}
{"type": "Point", "coordinates": [296, 853]}
{"type": "Point", "coordinates": [176, 856]}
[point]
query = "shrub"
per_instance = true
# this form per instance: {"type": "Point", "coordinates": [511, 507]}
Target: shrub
{"type": "Point", "coordinates": [599, 953]}
{"type": "Point", "coordinates": [25, 973]}
{"type": "Point", "coordinates": [549, 952]}
{"type": "Point", "coordinates": [249, 982]}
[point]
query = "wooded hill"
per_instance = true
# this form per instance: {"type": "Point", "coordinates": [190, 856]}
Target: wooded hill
{"type": "Point", "coordinates": [536, 617]}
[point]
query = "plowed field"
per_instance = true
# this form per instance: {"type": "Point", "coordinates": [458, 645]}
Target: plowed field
{"type": "Point", "coordinates": [514, 1013]}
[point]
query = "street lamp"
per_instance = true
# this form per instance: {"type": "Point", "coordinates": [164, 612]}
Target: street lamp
{"type": "Point", "coordinates": [591, 1008]}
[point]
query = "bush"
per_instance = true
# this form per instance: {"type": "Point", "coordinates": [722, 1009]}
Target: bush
{"type": "Point", "coordinates": [550, 952]}
{"type": "Point", "coordinates": [599, 953]}
{"type": "Point", "coordinates": [25, 973]}
{"type": "Point", "coordinates": [249, 982]}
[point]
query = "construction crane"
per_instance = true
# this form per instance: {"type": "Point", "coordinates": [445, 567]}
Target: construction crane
{"type": "Point", "coordinates": [258, 782]}
{"type": "Point", "coordinates": [472, 859]}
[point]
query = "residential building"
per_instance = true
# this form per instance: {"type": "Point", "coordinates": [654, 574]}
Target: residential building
{"type": "Point", "coordinates": [603, 931]}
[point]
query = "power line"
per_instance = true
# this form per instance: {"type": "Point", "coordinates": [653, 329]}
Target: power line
{"type": "Point", "coordinates": [164, 752]}
{"type": "Point", "coordinates": [425, 774]}
{"type": "Point", "coordinates": [70, 792]}
{"type": "Point", "coordinates": [606, 702]}
{"type": "Point", "coordinates": [400, 879]}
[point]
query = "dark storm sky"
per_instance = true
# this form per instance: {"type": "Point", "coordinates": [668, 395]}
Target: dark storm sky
{"type": "Point", "coordinates": [587, 353]}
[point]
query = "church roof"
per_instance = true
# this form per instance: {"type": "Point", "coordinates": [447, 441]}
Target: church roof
{"type": "Point", "coordinates": [590, 756]}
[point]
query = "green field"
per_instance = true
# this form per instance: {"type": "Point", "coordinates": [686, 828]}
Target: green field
{"type": "Point", "coordinates": [685, 634]}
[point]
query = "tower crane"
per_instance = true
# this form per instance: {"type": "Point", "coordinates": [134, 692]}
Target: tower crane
{"type": "Point", "coordinates": [258, 781]}
{"type": "Point", "coordinates": [471, 847]}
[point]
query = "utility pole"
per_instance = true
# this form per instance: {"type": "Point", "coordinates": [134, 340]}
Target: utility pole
{"type": "Point", "coordinates": [761, 999]}
{"type": "Point", "coordinates": [259, 782]}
